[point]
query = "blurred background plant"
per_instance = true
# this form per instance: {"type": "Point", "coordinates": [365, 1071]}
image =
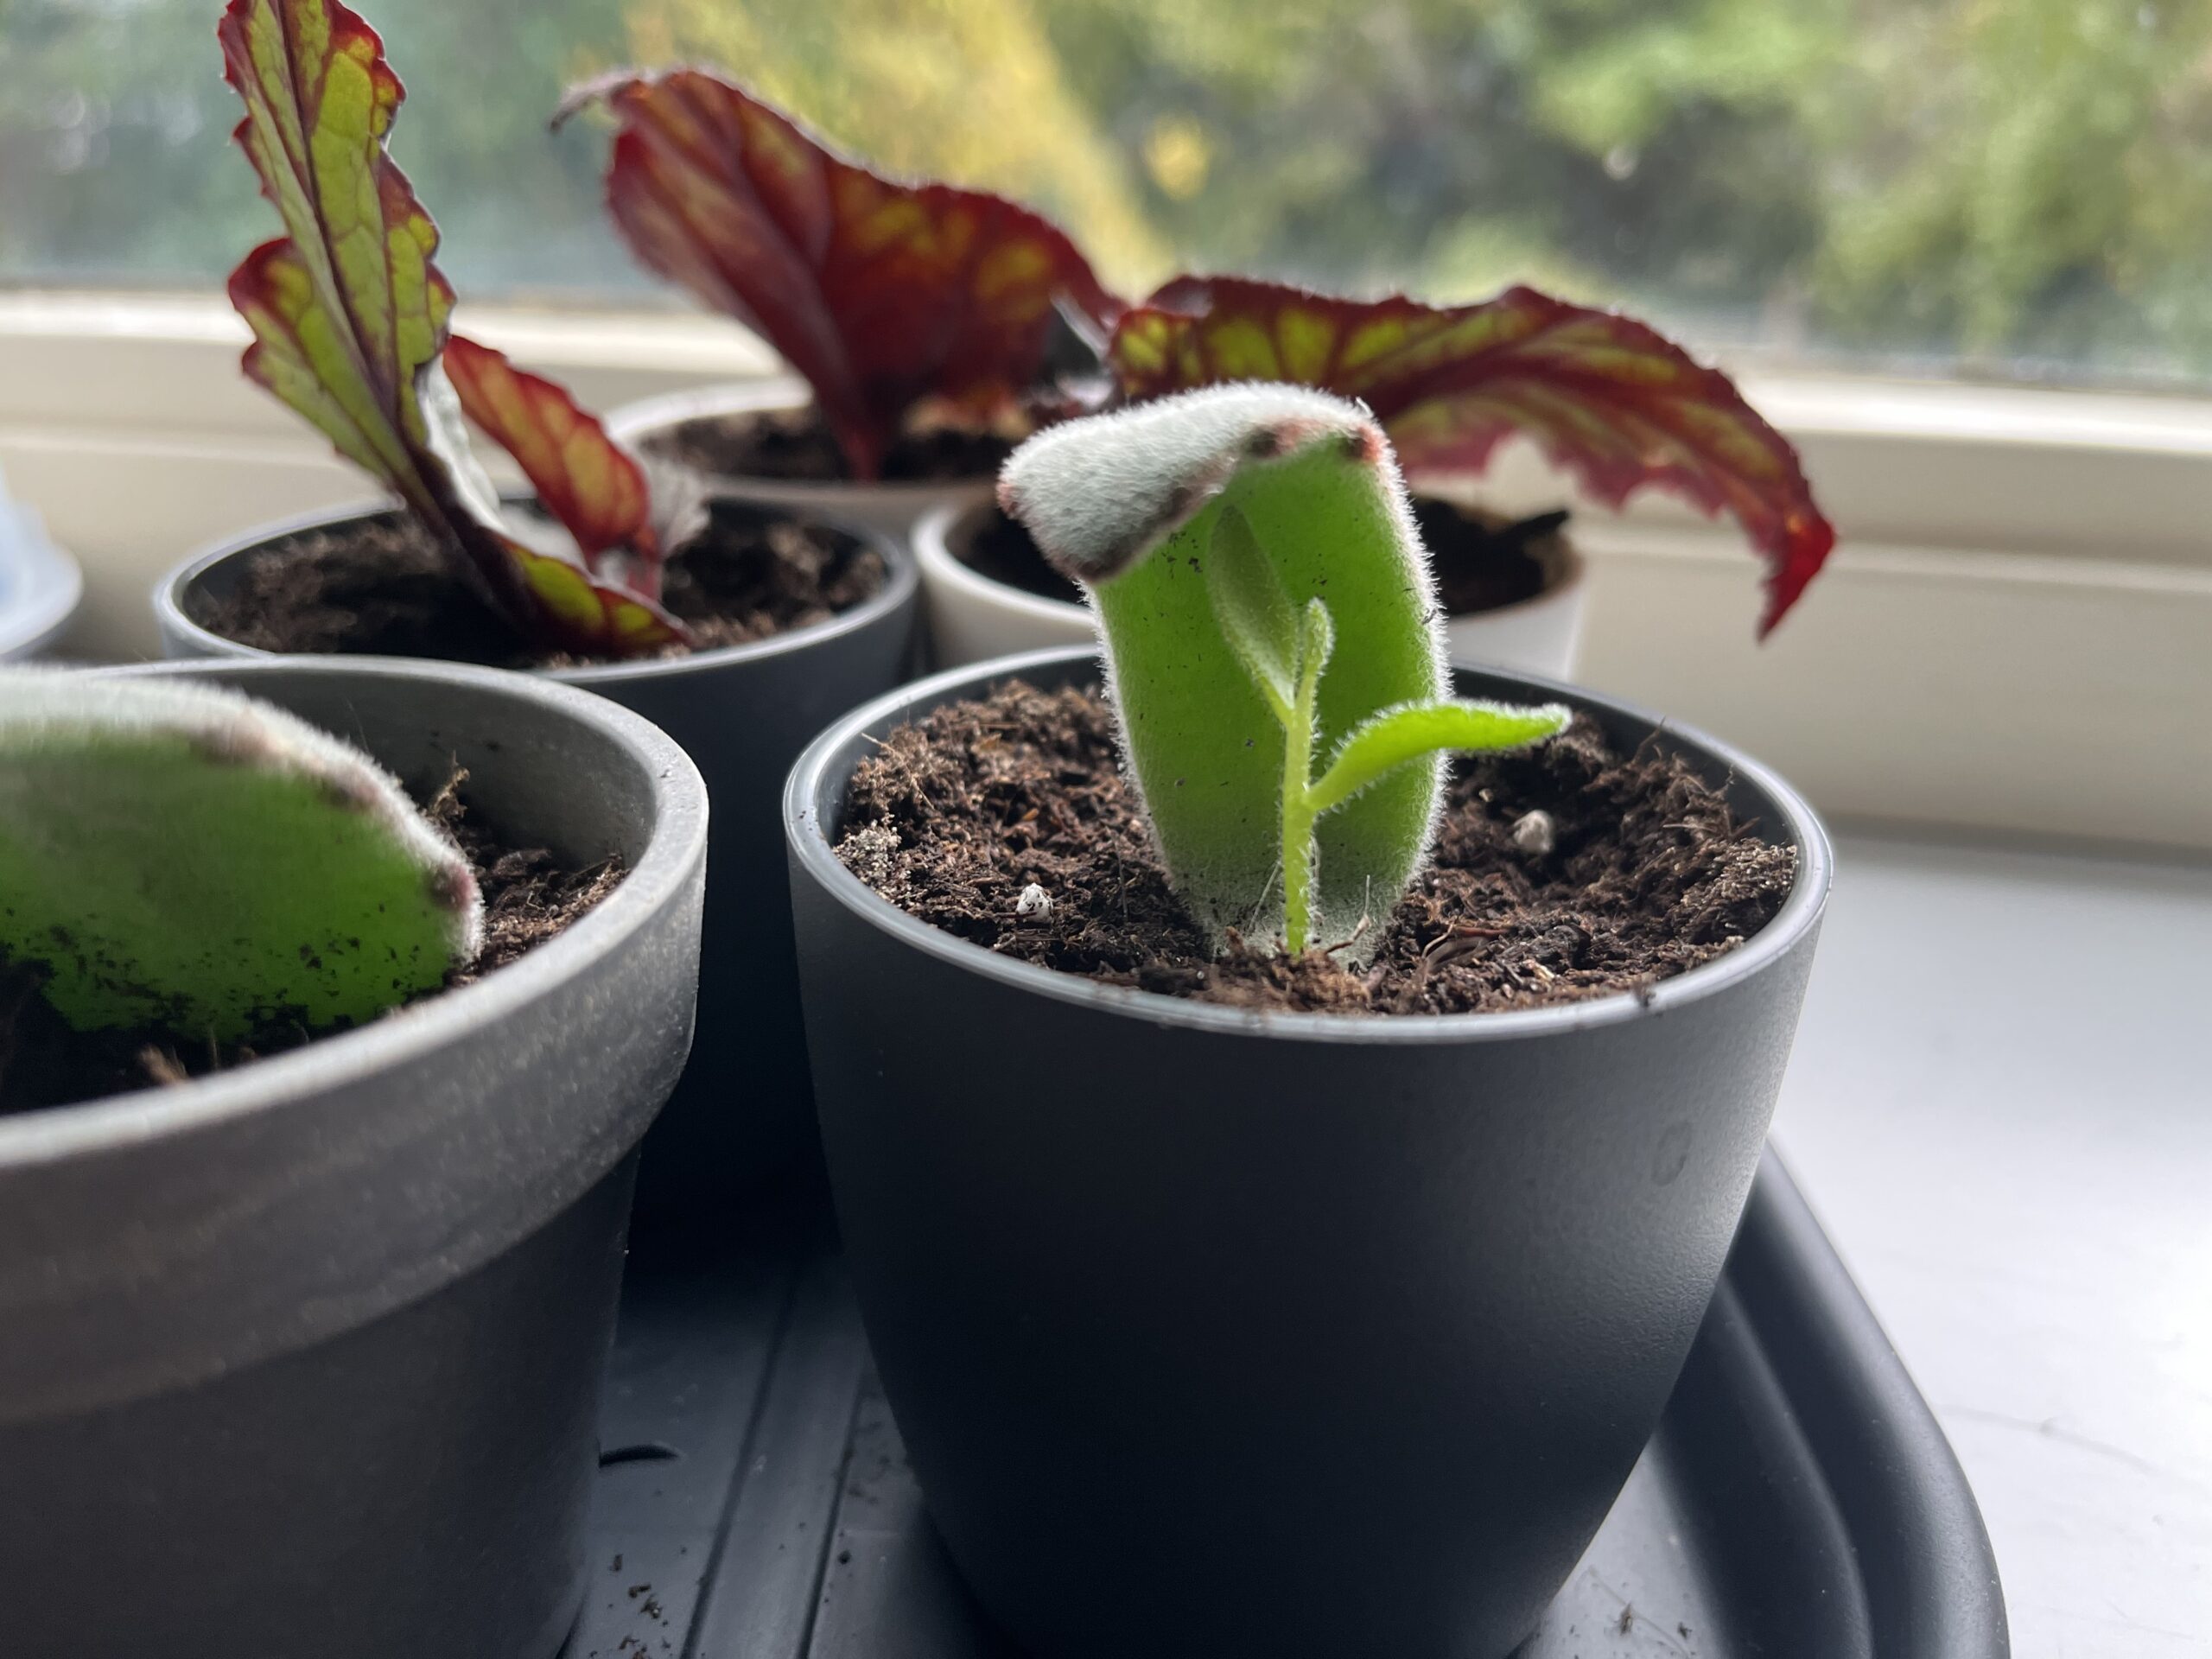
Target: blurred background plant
{"type": "Point", "coordinates": [2011, 188]}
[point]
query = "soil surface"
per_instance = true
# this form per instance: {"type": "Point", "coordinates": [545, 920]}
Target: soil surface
{"type": "Point", "coordinates": [529, 897]}
{"type": "Point", "coordinates": [388, 590]}
{"type": "Point", "coordinates": [1485, 561]}
{"type": "Point", "coordinates": [1482, 561]}
{"type": "Point", "coordinates": [1650, 873]}
{"type": "Point", "coordinates": [1002, 549]}
{"type": "Point", "coordinates": [795, 446]}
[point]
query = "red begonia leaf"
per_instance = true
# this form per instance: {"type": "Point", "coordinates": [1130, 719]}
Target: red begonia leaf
{"type": "Point", "coordinates": [1604, 396]}
{"type": "Point", "coordinates": [582, 477]}
{"type": "Point", "coordinates": [884, 295]}
{"type": "Point", "coordinates": [349, 310]}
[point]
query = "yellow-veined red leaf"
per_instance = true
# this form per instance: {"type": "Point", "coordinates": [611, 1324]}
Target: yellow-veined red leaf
{"type": "Point", "coordinates": [350, 299]}
{"type": "Point", "coordinates": [1604, 396]}
{"type": "Point", "coordinates": [882, 295]}
{"type": "Point", "coordinates": [582, 477]}
{"type": "Point", "coordinates": [349, 310]}
{"type": "Point", "coordinates": [612, 622]}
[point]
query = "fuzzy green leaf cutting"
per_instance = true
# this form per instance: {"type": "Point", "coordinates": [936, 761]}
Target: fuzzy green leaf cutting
{"type": "Point", "coordinates": [1255, 612]}
{"type": "Point", "coordinates": [184, 858]}
{"type": "Point", "coordinates": [1264, 599]}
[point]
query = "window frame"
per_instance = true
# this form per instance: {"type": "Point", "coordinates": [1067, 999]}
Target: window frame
{"type": "Point", "coordinates": [2014, 634]}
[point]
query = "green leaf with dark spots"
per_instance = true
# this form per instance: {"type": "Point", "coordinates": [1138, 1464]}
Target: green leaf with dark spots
{"type": "Point", "coordinates": [180, 857]}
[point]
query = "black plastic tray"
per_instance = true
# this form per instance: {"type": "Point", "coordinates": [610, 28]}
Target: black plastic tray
{"type": "Point", "coordinates": [1798, 1501]}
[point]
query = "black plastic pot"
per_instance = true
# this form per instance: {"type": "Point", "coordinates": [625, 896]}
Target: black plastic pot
{"type": "Point", "coordinates": [741, 1116]}
{"type": "Point", "coordinates": [303, 1360]}
{"type": "Point", "coordinates": [1215, 1332]}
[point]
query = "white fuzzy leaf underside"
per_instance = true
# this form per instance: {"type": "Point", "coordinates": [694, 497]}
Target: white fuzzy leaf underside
{"type": "Point", "coordinates": [1096, 494]}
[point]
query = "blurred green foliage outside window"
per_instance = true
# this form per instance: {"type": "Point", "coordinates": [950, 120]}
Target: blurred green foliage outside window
{"type": "Point", "coordinates": [2019, 187]}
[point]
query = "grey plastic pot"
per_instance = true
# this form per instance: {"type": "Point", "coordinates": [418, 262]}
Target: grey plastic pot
{"type": "Point", "coordinates": [303, 1360]}
{"type": "Point", "coordinates": [1216, 1333]}
{"type": "Point", "coordinates": [742, 1115]}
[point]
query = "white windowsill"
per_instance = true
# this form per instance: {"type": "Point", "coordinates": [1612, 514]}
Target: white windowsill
{"type": "Point", "coordinates": [1994, 1106]}
{"type": "Point", "coordinates": [2015, 631]}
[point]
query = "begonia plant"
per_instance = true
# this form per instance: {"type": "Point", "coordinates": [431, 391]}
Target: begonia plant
{"type": "Point", "coordinates": [351, 320]}
{"type": "Point", "coordinates": [902, 301]}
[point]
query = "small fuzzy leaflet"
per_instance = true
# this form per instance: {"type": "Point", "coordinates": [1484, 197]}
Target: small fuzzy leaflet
{"type": "Point", "coordinates": [1396, 737]}
{"type": "Point", "coordinates": [1604, 396]}
{"type": "Point", "coordinates": [887, 297]}
{"type": "Point", "coordinates": [350, 312]}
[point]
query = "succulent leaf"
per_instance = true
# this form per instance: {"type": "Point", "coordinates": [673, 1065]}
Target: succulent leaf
{"type": "Point", "coordinates": [1126, 504]}
{"type": "Point", "coordinates": [182, 857]}
{"type": "Point", "coordinates": [884, 295]}
{"type": "Point", "coordinates": [1605, 397]}
{"type": "Point", "coordinates": [349, 311]}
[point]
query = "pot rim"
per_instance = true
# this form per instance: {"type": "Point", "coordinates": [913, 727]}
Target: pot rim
{"type": "Point", "coordinates": [676, 845]}
{"type": "Point", "coordinates": [634, 422]}
{"type": "Point", "coordinates": [933, 535]}
{"type": "Point", "coordinates": [901, 582]}
{"type": "Point", "coordinates": [936, 529]}
{"type": "Point", "coordinates": [804, 821]}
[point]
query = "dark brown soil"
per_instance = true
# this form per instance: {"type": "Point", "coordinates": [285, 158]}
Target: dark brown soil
{"type": "Point", "coordinates": [386, 588]}
{"type": "Point", "coordinates": [795, 446]}
{"type": "Point", "coordinates": [529, 897]}
{"type": "Point", "coordinates": [1483, 561]}
{"type": "Point", "coordinates": [1002, 549]}
{"type": "Point", "coordinates": [1650, 873]}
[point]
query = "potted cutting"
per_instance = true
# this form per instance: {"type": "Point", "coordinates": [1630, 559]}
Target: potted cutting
{"type": "Point", "coordinates": [923, 318]}
{"type": "Point", "coordinates": [313, 1341]}
{"type": "Point", "coordinates": [1280, 1184]}
{"type": "Point", "coordinates": [738, 626]}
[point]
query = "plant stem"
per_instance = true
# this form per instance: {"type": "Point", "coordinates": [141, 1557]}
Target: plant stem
{"type": "Point", "coordinates": [1298, 813]}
